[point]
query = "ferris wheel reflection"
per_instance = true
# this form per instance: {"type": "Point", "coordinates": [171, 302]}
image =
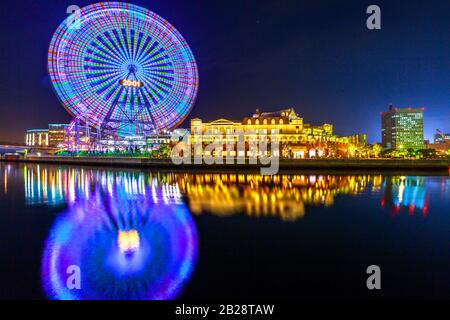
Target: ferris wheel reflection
{"type": "Point", "coordinates": [125, 244]}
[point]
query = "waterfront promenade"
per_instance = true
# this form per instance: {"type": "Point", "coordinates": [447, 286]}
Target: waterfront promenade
{"type": "Point", "coordinates": [284, 164]}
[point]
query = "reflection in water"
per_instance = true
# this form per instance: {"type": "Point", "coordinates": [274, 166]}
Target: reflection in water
{"type": "Point", "coordinates": [5, 181]}
{"type": "Point", "coordinates": [133, 236]}
{"type": "Point", "coordinates": [283, 196]}
{"type": "Point", "coordinates": [6, 170]}
{"type": "Point", "coordinates": [407, 192]}
{"type": "Point", "coordinates": [126, 247]}
{"type": "Point", "coordinates": [65, 185]}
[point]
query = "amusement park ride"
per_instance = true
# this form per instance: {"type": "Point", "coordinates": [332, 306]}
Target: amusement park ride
{"type": "Point", "coordinates": [123, 73]}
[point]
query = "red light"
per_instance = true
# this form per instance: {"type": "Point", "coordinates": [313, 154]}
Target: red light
{"type": "Point", "coordinates": [425, 211]}
{"type": "Point", "coordinates": [395, 210]}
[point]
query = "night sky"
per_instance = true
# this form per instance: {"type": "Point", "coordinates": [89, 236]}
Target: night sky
{"type": "Point", "coordinates": [317, 56]}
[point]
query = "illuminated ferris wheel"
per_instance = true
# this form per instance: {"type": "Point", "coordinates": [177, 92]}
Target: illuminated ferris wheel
{"type": "Point", "coordinates": [123, 69]}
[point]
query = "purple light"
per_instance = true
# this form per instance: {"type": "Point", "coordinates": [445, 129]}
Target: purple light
{"type": "Point", "coordinates": [86, 236]}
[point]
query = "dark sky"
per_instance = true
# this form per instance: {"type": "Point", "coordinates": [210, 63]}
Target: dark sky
{"type": "Point", "coordinates": [317, 56]}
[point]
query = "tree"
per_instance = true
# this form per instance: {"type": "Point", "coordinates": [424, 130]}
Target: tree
{"type": "Point", "coordinates": [376, 150]}
{"type": "Point", "coordinates": [428, 153]}
{"type": "Point", "coordinates": [351, 150]}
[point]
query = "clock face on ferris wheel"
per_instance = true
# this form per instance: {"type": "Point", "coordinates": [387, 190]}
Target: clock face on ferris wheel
{"type": "Point", "coordinates": [123, 67]}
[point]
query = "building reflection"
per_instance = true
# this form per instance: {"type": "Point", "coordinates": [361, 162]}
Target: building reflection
{"type": "Point", "coordinates": [5, 181]}
{"type": "Point", "coordinates": [8, 175]}
{"type": "Point", "coordinates": [406, 192]}
{"type": "Point", "coordinates": [44, 185]}
{"type": "Point", "coordinates": [283, 196]}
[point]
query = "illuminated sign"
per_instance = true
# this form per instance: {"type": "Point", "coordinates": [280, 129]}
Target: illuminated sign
{"type": "Point", "coordinates": [131, 83]}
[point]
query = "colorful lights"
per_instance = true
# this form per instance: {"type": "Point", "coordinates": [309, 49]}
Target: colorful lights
{"type": "Point", "coordinates": [151, 260]}
{"type": "Point", "coordinates": [286, 197]}
{"type": "Point", "coordinates": [128, 241]}
{"type": "Point", "coordinates": [99, 70]}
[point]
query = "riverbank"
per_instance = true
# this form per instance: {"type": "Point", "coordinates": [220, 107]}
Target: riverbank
{"type": "Point", "coordinates": [284, 164]}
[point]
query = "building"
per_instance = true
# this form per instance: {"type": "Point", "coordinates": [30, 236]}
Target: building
{"type": "Point", "coordinates": [156, 141]}
{"type": "Point", "coordinates": [79, 137]}
{"type": "Point", "coordinates": [296, 139]}
{"type": "Point", "coordinates": [441, 143]}
{"type": "Point", "coordinates": [442, 148]}
{"type": "Point", "coordinates": [441, 137]}
{"type": "Point", "coordinates": [53, 137]}
{"type": "Point", "coordinates": [402, 129]}
{"type": "Point", "coordinates": [57, 135]}
{"type": "Point", "coordinates": [60, 136]}
{"type": "Point", "coordinates": [37, 138]}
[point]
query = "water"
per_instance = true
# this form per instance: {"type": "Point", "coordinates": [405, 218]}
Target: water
{"type": "Point", "coordinates": [155, 235]}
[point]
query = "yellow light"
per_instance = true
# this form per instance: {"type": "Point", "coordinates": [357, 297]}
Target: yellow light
{"type": "Point", "coordinates": [128, 241]}
{"type": "Point", "coordinates": [131, 83]}
{"type": "Point", "coordinates": [6, 182]}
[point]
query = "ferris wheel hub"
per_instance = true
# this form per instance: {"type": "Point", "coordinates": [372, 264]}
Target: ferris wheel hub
{"type": "Point", "coordinates": [132, 68]}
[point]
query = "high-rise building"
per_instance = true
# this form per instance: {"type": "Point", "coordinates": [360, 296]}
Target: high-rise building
{"type": "Point", "coordinates": [402, 129]}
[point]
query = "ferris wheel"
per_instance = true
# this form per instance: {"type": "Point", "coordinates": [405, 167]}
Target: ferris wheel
{"type": "Point", "coordinates": [123, 69]}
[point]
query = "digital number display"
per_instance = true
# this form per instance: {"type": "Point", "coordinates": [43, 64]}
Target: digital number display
{"type": "Point", "coordinates": [131, 83]}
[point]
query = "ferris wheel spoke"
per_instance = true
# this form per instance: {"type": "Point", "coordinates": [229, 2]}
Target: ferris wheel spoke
{"type": "Point", "coordinates": [108, 52]}
{"type": "Point", "coordinates": [111, 94]}
{"type": "Point", "coordinates": [100, 38]}
{"type": "Point", "coordinates": [158, 56]}
{"type": "Point", "coordinates": [168, 65]}
{"type": "Point", "coordinates": [135, 40]}
{"type": "Point", "coordinates": [149, 94]}
{"type": "Point", "coordinates": [151, 45]}
{"type": "Point", "coordinates": [157, 85]}
{"type": "Point", "coordinates": [148, 53]}
{"type": "Point", "coordinates": [126, 35]}
{"type": "Point", "coordinates": [102, 89]}
{"type": "Point", "coordinates": [119, 43]}
{"type": "Point", "coordinates": [141, 45]}
{"type": "Point", "coordinates": [164, 78]}
{"type": "Point", "coordinates": [161, 85]}
{"type": "Point", "coordinates": [116, 49]}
